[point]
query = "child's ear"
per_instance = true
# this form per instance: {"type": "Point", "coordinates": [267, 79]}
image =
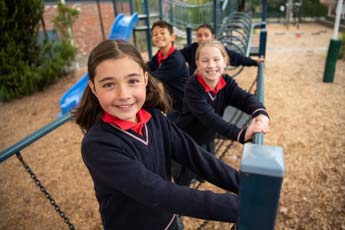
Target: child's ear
{"type": "Point", "coordinates": [92, 87]}
{"type": "Point", "coordinates": [146, 77]}
{"type": "Point", "coordinates": [172, 37]}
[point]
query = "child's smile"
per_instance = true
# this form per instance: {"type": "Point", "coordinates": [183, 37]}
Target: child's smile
{"type": "Point", "coordinates": [161, 37]}
{"type": "Point", "coordinates": [211, 64]}
{"type": "Point", "coordinates": [120, 87]}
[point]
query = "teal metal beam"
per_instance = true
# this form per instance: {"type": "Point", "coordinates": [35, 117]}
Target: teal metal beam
{"type": "Point", "coordinates": [148, 29]}
{"type": "Point", "coordinates": [259, 137]}
{"type": "Point", "coordinates": [263, 39]}
{"type": "Point", "coordinates": [17, 147]}
{"type": "Point", "coordinates": [261, 175]}
{"type": "Point", "coordinates": [260, 82]}
{"type": "Point", "coordinates": [215, 16]}
{"type": "Point", "coordinates": [250, 38]}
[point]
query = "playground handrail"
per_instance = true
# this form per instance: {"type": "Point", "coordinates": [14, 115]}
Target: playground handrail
{"type": "Point", "coordinates": [28, 140]}
{"type": "Point", "coordinates": [259, 137]}
{"type": "Point", "coordinates": [254, 26]}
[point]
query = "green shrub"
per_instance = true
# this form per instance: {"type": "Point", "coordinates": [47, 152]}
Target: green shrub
{"type": "Point", "coordinates": [27, 65]}
{"type": "Point", "coordinates": [64, 20]}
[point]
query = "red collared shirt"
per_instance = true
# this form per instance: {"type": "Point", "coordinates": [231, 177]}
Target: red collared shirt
{"type": "Point", "coordinates": [142, 115]}
{"type": "Point", "coordinates": [220, 85]}
{"type": "Point", "coordinates": [160, 56]}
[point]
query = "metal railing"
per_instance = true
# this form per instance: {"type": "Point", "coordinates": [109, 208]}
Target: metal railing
{"type": "Point", "coordinates": [23, 143]}
{"type": "Point", "coordinates": [183, 14]}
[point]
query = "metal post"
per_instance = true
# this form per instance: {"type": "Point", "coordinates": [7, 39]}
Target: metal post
{"type": "Point", "coordinates": [148, 29]}
{"type": "Point", "coordinates": [261, 175]}
{"type": "Point", "coordinates": [100, 19]}
{"type": "Point", "coordinates": [263, 13]}
{"type": "Point", "coordinates": [115, 8]}
{"type": "Point", "coordinates": [221, 9]}
{"type": "Point", "coordinates": [131, 10]}
{"type": "Point", "coordinates": [160, 10]}
{"type": "Point", "coordinates": [337, 19]}
{"type": "Point", "coordinates": [171, 13]}
{"type": "Point", "coordinates": [215, 16]}
{"type": "Point", "coordinates": [189, 35]}
{"type": "Point", "coordinates": [259, 137]}
{"type": "Point", "coordinates": [262, 45]}
{"type": "Point", "coordinates": [334, 48]}
{"type": "Point", "coordinates": [288, 12]}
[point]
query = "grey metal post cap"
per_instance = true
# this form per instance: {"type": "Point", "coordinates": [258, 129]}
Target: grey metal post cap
{"type": "Point", "coordinates": [263, 160]}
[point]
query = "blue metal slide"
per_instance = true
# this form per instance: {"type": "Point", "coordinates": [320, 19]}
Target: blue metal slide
{"type": "Point", "coordinates": [121, 29]}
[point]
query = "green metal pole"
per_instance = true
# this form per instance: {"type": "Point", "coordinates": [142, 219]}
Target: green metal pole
{"type": "Point", "coordinates": [262, 45]}
{"type": "Point", "coordinates": [259, 137]}
{"type": "Point", "coordinates": [189, 35]}
{"type": "Point", "coordinates": [334, 48]}
{"type": "Point", "coordinates": [148, 29]}
{"type": "Point", "coordinates": [331, 61]}
{"type": "Point", "coordinates": [261, 174]}
{"type": "Point", "coordinates": [100, 19]}
{"type": "Point", "coordinates": [215, 16]}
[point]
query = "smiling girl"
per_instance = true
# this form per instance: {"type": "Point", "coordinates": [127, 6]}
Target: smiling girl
{"type": "Point", "coordinates": [129, 144]}
{"type": "Point", "coordinates": [208, 93]}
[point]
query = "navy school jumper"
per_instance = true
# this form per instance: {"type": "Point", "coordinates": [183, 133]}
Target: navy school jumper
{"type": "Point", "coordinates": [202, 115]}
{"type": "Point", "coordinates": [132, 176]}
{"type": "Point", "coordinates": [173, 73]}
{"type": "Point", "coordinates": [236, 59]}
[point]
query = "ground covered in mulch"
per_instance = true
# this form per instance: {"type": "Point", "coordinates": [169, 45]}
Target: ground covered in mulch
{"type": "Point", "coordinates": [307, 120]}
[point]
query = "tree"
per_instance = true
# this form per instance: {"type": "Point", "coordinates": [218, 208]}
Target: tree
{"type": "Point", "coordinates": [27, 65]}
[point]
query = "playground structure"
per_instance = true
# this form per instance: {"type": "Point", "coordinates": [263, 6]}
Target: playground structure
{"type": "Point", "coordinates": [257, 168]}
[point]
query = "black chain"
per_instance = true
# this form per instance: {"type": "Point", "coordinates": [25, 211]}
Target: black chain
{"type": "Point", "coordinates": [45, 192]}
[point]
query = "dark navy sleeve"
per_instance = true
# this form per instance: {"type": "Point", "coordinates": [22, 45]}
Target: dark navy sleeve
{"type": "Point", "coordinates": [237, 59]}
{"type": "Point", "coordinates": [153, 63]}
{"type": "Point", "coordinates": [113, 166]}
{"type": "Point", "coordinates": [188, 153]}
{"type": "Point", "coordinates": [171, 68]}
{"type": "Point", "coordinates": [189, 55]}
{"type": "Point", "coordinates": [206, 165]}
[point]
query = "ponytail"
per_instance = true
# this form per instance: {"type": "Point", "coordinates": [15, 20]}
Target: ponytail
{"type": "Point", "coordinates": [156, 96]}
{"type": "Point", "coordinates": [89, 111]}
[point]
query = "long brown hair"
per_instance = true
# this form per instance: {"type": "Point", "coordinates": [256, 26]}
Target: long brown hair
{"type": "Point", "coordinates": [89, 110]}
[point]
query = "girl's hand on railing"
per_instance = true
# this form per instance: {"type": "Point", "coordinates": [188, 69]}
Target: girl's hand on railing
{"type": "Point", "coordinates": [261, 59]}
{"type": "Point", "coordinates": [259, 124]}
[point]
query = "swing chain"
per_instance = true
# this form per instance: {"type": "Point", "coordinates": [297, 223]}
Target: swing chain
{"type": "Point", "coordinates": [45, 192]}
